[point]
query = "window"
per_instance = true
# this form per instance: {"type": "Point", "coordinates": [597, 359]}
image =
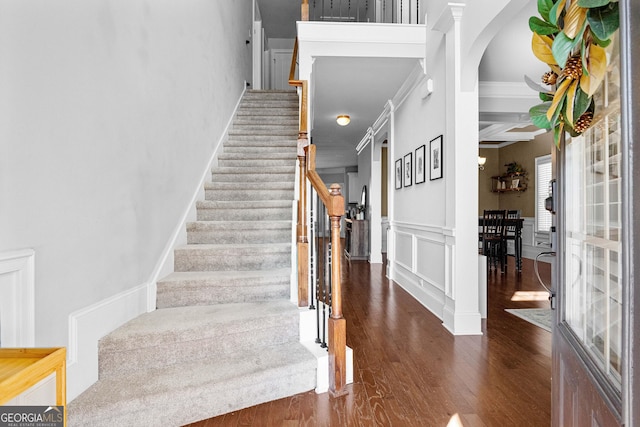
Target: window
{"type": "Point", "coordinates": [543, 176]}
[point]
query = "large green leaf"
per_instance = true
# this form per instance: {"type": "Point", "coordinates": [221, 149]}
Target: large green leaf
{"type": "Point", "coordinates": [592, 3]}
{"type": "Point", "coordinates": [557, 134]}
{"type": "Point", "coordinates": [581, 104]}
{"type": "Point", "coordinates": [544, 6]}
{"type": "Point", "coordinates": [596, 40]}
{"type": "Point", "coordinates": [556, 11]}
{"type": "Point", "coordinates": [541, 27]}
{"type": "Point", "coordinates": [545, 96]}
{"type": "Point", "coordinates": [561, 48]}
{"type": "Point", "coordinates": [538, 114]}
{"type": "Point", "coordinates": [604, 21]}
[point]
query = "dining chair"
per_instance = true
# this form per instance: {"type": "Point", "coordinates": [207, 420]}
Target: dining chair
{"type": "Point", "coordinates": [493, 238]}
{"type": "Point", "coordinates": [510, 230]}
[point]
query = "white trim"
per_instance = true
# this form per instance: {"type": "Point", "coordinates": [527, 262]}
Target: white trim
{"type": "Point", "coordinates": [415, 78]}
{"type": "Point", "coordinates": [91, 323]}
{"type": "Point", "coordinates": [512, 90]}
{"type": "Point", "coordinates": [19, 297]}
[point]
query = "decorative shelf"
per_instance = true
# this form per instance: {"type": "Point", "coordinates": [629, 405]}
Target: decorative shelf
{"type": "Point", "coordinates": [509, 183]}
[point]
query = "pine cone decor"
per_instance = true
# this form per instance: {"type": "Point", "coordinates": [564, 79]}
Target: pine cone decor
{"type": "Point", "coordinates": [584, 122]}
{"type": "Point", "coordinates": [549, 78]}
{"type": "Point", "coordinates": [573, 69]}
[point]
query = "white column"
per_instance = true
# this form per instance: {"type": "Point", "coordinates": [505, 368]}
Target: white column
{"type": "Point", "coordinates": [375, 201]}
{"type": "Point", "coordinates": [461, 315]}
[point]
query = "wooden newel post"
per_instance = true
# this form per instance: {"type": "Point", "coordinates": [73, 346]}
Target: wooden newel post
{"type": "Point", "coordinates": [304, 11]}
{"type": "Point", "coordinates": [337, 324]}
{"type": "Point", "coordinates": [302, 240]}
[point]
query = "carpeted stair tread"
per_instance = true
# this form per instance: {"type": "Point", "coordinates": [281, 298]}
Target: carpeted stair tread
{"type": "Point", "coordinates": [222, 287]}
{"type": "Point", "coordinates": [239, 231]}
{"type": "Point", "coordinates": [293, 150]}
{"type": "Point", "coordinates": [233, 214]}
{"type": "Point", "coordinates": [272, 185]}
{"type": "Point", "coordinates": [278, 111]}
{"type": "Point", "coordinates": [266, 170]}
{"type": "Point", "coordinates": [274, 140]}
{"type": "Point", "coordinates": [173, 325]}
{"type": "Point", "coordinates": [256, 163]}
{"type": "Point", "coordinates": [250, 277]}
{"type": "Point", "coordinates": [210, 387]}
{"type": "Point", "coordinates": [247, 204]}
{"type": "Point", "coordinates": [207, 257]}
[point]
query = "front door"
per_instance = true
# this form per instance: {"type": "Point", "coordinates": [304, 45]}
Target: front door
{"type": "Point", "coordinates": [593, 338]}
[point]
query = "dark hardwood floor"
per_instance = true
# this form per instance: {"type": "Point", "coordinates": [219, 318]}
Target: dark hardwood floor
{"type": "Point", "coordinates": [410, 371]}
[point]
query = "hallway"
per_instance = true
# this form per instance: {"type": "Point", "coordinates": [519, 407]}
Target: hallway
{"type": "Point", "coordinates": [410, 371]}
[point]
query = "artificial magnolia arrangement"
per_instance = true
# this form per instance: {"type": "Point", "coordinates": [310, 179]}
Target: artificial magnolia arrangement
{"type": "Point", "coordinates": [570, 36]}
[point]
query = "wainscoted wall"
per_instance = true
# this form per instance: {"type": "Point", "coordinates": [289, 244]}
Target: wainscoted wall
{"type": "Point", "coordinates": [419, 258]}
{"type": "Point", "coordinates": [532, 243]}
{"type": "Point", "coordinates": [420, 261]}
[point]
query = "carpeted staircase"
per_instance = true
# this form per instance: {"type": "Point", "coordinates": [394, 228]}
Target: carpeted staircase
{"type": "Point", "coordinates": [225, 335]}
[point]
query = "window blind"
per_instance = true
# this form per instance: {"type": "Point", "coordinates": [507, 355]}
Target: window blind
{"type": "Point", "coordinates": [543, 176]}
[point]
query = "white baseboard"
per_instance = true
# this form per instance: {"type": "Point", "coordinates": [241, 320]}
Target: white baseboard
{"type": "Point", "coordinates": [461, 323]}
{"type": "Point", "coordinates": [322, 356]}
{"type": "Point", "coordinates": [88, 325]}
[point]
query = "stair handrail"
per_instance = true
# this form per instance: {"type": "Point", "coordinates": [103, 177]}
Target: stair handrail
{"type": "Point", "coordinates": [333, 200]}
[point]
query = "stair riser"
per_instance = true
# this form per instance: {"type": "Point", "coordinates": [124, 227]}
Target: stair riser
{"type": "Point", "coordinates": [243, 195]}
{"type": "Point", "coordinates": [274, 103]}
{"type": "Point", "coordinates": [283, 121]}
{"type": "Point", "coordinates": [212, 343]}
{"type": "Point", "coordinates": [280, 151]}
{"type": "Point", "coordinates": [275, 143]}
{"type": "Point", "coordinates": [219, 293]}
{"type": "Point", "coordinates": [229, 262]}
{"type": "Point", "coordinates": [288, 156]}
{"type": "Point", "coordinates": [249, 130]}
{"type": "Point", "coordinates": [269, 214]}
{"type": "Point", "coordinates": [253, 177]}
{"type": "Point", "coordinates": [289, 112]}
{"type": "Point", "coordinates": [255, 163]}
{"type": "Point", "coordinates": [238, 237]}
{"type": "Point", "coordinates": [260, 137]}
{"type": "Point", "coordinates": [288, 169]}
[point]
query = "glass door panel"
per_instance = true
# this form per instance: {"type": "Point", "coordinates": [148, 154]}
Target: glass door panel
{"type": "Point", "coordinates": [593, 306]}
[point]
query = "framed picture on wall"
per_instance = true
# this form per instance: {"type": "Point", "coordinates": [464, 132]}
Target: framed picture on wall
{"type": "Point", "coordinates": [420, 165]}
{"type": "Point", "coordinates": [408, 169]}
{"type": "Point", "coordinates": [435, 158]}
{"type": "Point", "coordinates": [398, 174]}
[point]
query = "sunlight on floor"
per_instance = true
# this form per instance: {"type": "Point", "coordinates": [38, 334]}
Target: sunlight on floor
{"type": "Point", "coordinates": [530, 296]}
{"type": "Point", "coordinates": [455, 421]}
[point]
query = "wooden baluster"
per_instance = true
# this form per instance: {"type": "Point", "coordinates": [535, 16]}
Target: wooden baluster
{"type": "Point", "coordinates": [303, 242]}
{"type": "Point", "coordinates": [337, 324]}
{"type": "Point", "coordinates": [304, 13]}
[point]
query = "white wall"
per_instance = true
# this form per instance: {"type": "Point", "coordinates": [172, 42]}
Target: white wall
{"type": "Point", "coordinates": [418, 219]}
{"type": "Point", "coordinates": [109, 114]}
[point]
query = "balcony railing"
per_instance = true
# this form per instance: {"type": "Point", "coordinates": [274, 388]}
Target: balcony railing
{"type": "Point", "coordinates": [384, 11]}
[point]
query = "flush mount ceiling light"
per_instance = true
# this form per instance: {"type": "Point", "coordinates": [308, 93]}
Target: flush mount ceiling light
{"type": "Point", "coordinates": [343, 119]}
